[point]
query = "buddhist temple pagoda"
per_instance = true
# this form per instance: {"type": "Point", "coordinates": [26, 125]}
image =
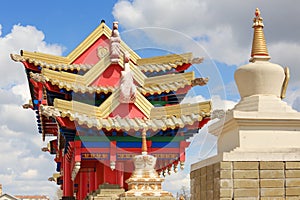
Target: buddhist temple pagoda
{"type": "Point", "coordinates": [98, 100]}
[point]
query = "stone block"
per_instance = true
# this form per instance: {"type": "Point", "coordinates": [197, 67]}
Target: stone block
{"type": "Point", "coordinates": [245, 183]}
{"type": "Point", "coordinates": [226, 192]}
{"type": "Point", "coordinates": [292, 198]}
{"type": "Point", "coordinates": [225, 165]}
{"type": "Point", "coordinates": [246, 198]}
{"type": "Point", "coordinates": [272, 192]}
{"type": "Point", "coordinates": [226, 183]}
{"type": "Point", "coordinates": [271, 174]}
{"type": "Point", "coordinates": [272, 183]}
{"type": "Point", "coordinates": [292, 191]}
{"type": "Point", "coordinates": [272, 198]}
{"type": "Point", "coordinates": [245, 165]}
{"type": "Point", "coordinates": [292, 173]}
{"type": "Point", "coordinates": [292, 182]}
{"type": "Point", "coordinates": [292, 165]}
{"type": "Point", "coordinates": [245, 174]}
{"type": "Point", "coordinates": [225, 174]}
{"type": "Point", "coordinates": [246, 192]}
{"type": "Point", "coordinates": [271, 165]}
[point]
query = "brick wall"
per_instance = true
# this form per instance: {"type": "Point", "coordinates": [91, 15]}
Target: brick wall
{"type": "Point", "coordinates": [247, 180]}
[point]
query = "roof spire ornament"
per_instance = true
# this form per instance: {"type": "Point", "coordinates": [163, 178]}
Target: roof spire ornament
{"type": "Point", "coordinates": [115, 40]}
{"type": "Point", "coordinates": [259, 47]}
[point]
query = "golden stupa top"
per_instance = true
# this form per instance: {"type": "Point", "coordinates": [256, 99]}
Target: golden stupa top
{"type": "Point", "coordinates": [259, 47]}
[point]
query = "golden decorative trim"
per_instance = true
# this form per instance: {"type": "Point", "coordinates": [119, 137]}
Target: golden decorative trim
{"type": "Point", "coordinates": [156, 80]}
{"type": "Point", "coordinates": [173, 58]}
{"type": "Point", "coordinates": [179, 110]}
{"type": "Point", "coordinates": [45, 57]}
{"type": "Point", "coordinates": [285, 82]}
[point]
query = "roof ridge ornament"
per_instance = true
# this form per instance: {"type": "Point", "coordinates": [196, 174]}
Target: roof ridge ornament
{"type": "Point", "coordinates": [115, 46]}
{"type": "Point", "coordinates": [127, 86]}
{"type": "Point", "coordinates": [259, 47]}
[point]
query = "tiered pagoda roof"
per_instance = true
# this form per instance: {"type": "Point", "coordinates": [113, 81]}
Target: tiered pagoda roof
{"type": "Point", "coordinates": [87, 91]}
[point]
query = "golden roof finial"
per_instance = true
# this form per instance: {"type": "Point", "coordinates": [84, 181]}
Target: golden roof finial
{"type": "Point", "coordinates": [259, 47]}
{"type": "Point", "coordinates": [144, 142]}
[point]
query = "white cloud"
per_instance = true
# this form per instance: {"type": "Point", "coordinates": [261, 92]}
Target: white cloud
{"type": "Point", "coordinates": [24, 165]}
{"type": "Point", "coordinates": [29, 174]}
{"type": "Point", "coordinates": [21, 38]}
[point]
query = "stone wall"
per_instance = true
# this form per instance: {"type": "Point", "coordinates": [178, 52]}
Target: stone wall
{"type": "Point", "coordinates": [247, 180]}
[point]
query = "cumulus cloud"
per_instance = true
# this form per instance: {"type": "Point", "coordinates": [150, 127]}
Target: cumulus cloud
{"type": "Point", "coordinates": [21, 37]}
{"type": "Point", "coordinates": [25, 166]}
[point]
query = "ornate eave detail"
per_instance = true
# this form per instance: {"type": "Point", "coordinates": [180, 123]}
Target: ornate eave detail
{"type": "Point", "coordinates": [200, 81]}
{"type": "Point", "coordinates": [168, 62]}
{"type": "Point", "coordinates": [177, 116]}
{"type": "Point", "coordinates": [52, 66]}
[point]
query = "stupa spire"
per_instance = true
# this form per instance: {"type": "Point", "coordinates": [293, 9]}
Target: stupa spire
{"type": "Point", "coordinates": [259, 47]}
{"type": "Point", "coordinates": [144, 143]}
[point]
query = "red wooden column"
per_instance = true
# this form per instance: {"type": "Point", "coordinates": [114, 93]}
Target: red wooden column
{"type": "Point", "coordinates": [99, 174]}
{"type": "Point", "coordinates": [83, 187]}
{"type": "Point", "coordinates": [120, 173]}
{"type": "Point", "coordinates": [67, 181]}
{"type": "Point", "coordinates": [92, 185]}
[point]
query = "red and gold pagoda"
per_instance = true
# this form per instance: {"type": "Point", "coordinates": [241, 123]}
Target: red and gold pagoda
{"type": "Point", "coordinates": [98, 100]}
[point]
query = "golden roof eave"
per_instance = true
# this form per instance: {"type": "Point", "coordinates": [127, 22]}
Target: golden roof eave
{"type": "Point", "coordinates": [173, 118]}
{"type": "Point", "coordinates": [44, 57]}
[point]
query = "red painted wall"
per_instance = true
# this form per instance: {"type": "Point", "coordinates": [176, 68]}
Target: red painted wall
{"type": "Point", "coordinates": [90, 55]}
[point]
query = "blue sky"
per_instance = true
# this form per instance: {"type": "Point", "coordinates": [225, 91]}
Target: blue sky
{"type": "Point", "coordinates": [218, 30]}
